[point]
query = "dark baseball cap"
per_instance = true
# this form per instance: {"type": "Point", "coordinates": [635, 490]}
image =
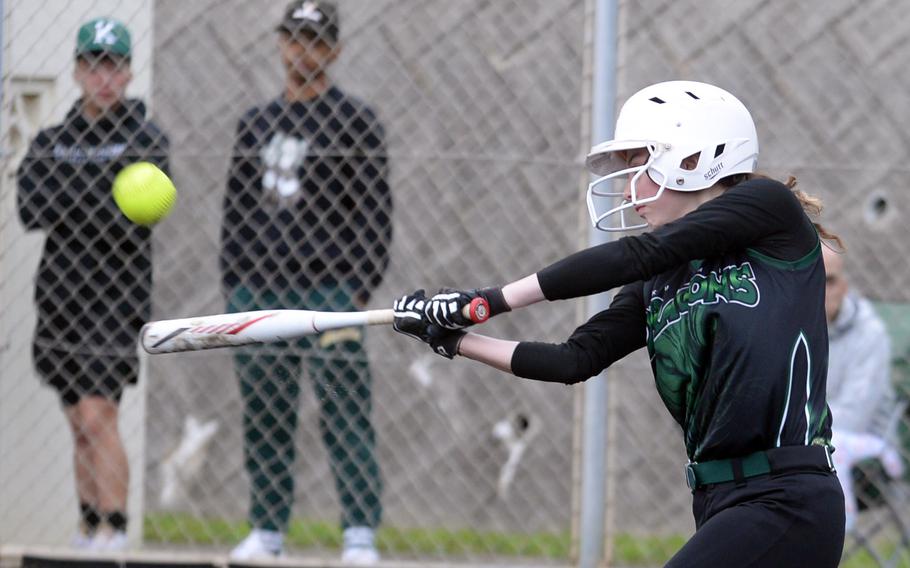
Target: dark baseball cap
{"type": "Point", "coordinates": [317, 17]}
{"type": "Point", "coordinates": [103, 35]}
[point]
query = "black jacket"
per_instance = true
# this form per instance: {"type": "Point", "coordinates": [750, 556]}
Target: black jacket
{"type": "Point", "coordinates": [94, 283]}
{"type": "Point", "coordinates": [307, 202]}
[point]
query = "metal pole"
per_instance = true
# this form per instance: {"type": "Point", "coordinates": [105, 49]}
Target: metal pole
{"type": "Point", "coordinates": [593, 480]}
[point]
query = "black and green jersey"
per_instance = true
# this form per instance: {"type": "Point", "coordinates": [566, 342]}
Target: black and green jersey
{"type": "Point", "coordinates": [729, 301]}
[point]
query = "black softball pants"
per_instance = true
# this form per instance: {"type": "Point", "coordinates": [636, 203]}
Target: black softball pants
{"type": "Point", "coordinates": [792, 520]}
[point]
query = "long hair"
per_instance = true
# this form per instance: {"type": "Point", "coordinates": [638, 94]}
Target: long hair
{"type": "Point", "coordinates": [812, 205]}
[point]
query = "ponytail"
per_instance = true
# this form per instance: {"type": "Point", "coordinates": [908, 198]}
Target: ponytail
{"type": "Point", "coordinates": [811, 205]}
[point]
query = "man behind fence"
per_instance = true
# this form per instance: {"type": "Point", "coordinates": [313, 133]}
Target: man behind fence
{"type": "Point", "coordinates": [94, 282]}
{"type": "Point", "coordinates": [306, 224]}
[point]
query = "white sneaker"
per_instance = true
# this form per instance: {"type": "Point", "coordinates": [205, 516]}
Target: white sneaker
{"type": "Point", "coordinates": [359, 548]}
{"type": "Point", "coordinates": [81, 540]}
{"type": "Point", "coordinates": [258, 544]}
{"type": "Point", "coordinates": [109, 541]}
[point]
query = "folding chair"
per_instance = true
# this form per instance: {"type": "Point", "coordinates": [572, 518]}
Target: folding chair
{"type": "Point", "coordinates": [881, 537]}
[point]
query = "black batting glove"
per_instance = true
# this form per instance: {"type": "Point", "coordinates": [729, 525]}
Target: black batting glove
{"type": "Point", "coordinates": [411, 321]}
{"type": "Point", "coordinates": [444, 342]}
{"type": "Point", "coordinates": [447, 308]}
{"type": "Point", "coordinates": [409, 316]}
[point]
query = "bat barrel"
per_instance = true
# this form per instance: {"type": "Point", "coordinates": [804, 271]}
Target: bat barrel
{"type": "Point", "coordinates": [265, 326]}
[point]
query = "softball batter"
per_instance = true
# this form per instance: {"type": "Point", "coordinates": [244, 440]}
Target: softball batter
{"type": "Point", "coordinates": [727, 292]}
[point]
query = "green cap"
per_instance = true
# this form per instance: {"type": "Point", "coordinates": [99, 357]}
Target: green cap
{"type": "Point", "coordinates": [103, 35]}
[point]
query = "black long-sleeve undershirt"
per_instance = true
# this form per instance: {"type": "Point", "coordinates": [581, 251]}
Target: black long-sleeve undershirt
{"type": "Point", "coordinates": [604, 339]}
{"type": "Point", "coordinates": [759, 214]}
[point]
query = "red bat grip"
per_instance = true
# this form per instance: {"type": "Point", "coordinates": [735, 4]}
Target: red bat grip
{"type": "Point", "coordinates": [478, 311]}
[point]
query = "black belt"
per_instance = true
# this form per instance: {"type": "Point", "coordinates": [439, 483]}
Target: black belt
{"type": "Point", "coordinates": [776, 460]}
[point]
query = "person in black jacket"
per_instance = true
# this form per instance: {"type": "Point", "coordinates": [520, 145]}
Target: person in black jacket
{"type": "Point", "coordinates": [727, 292]}
{"type": "Point", "coordinates": [94, 281]}
{"type": "Point", "coordinates": [307, 224]}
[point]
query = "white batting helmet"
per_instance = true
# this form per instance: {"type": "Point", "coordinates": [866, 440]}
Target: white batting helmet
{"type": "Point", "coordinates": [673, 120]}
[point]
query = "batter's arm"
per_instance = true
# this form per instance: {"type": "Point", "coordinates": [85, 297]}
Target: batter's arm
{"type": "Point", "coordinates": [494, 352]}
{"type": "Point", "coordinates": [523, 292]}
{"type": "Point", "coordinates": [605, 338]}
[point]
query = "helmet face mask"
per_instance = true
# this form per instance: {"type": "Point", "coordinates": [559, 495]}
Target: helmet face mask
{"type": "Point", "coordinates": [695, 135]}
{"type": "Point", "coordinates": [609, 181]}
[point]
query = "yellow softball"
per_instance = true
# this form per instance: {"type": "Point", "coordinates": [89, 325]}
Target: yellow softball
{"type": "Point", "coordinates": [144, 193]}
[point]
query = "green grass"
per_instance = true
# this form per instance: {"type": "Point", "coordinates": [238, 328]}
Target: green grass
{"type": "Point", "coordinates": [187, 529]}
{"type": "Point", "coordinates": [628, 549]}
{"type": "Point", "coordinates": [645, 550]}
{"type": "Point", "coordinates": [863, 559]}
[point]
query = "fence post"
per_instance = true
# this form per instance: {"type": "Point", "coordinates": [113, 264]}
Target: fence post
{"type": "Point", "coordinates": [593, 486]}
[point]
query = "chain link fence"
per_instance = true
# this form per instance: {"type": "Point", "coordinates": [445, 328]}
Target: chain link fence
{"type": "Point", "coordinates": [453, 148]}
{"type": "Point", "coordinates": [482, 107]}
{"type": "Point", "coordinates": [827, 90]}
{"type": "Point", "coordinates": [457, 100]}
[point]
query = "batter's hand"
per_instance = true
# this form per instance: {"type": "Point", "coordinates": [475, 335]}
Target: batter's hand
{"type": "Point", "coordinates": [409, 316]}
{"type": "Point", "coordinates": [447, 308]}
{"type": "Point", "coordinates": [410, 320]}
{"type": "Point", "coordinates": [444, 342]}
